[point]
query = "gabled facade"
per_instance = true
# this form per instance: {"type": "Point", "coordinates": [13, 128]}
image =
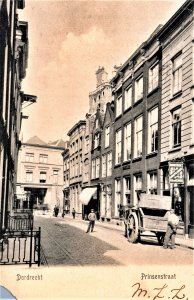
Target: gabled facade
{"type": "Point", "coordinates": [107, 145]}
{"type": "Point", "coordinates": [137, 94]}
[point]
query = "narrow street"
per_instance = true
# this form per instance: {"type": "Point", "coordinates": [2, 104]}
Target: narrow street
{"type": "Point", "coordinates": [65, 242]}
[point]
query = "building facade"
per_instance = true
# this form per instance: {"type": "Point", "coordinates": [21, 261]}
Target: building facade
{"type": "Point", "coordinates": [40, 175]}
{"type": "Point", "coordinates": [136, 155]}
{"type": "Point", "coordinates": [177, 113]}
{"type": "Point", "coordinates": [13, 61]}
{"type": "Point", "coordinates": [66, 202]}
{"type": "Point", "coordinates": [76, 141]}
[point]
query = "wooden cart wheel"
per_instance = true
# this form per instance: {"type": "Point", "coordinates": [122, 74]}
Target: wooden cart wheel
{"type": "Point", "coordinates": [160, 237]}
{"type": "Point", "coordinates": [132, 228]}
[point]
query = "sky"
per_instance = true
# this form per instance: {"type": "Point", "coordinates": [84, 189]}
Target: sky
{"type": "Point", "coordinates": [68, 41]}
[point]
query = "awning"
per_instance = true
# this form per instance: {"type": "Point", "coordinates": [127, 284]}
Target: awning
{"type": "Point", "coordinates": [87, 194]}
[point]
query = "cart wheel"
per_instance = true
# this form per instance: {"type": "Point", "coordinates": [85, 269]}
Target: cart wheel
{"type": "Point", "coordinates": [132, 228]}
{"type": "Point", "coordinates": [160, 237]}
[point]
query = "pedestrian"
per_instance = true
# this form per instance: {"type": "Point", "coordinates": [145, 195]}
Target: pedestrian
{"type": "Point", "coordinates": [170, 235]}
{"type": "Point", "coordinates": [92, 219]}
{"type": "Point", "coordinates": [73, 213]}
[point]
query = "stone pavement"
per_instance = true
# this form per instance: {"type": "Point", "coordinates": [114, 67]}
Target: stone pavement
{"type": "Point", "coordinates": [181, 240]}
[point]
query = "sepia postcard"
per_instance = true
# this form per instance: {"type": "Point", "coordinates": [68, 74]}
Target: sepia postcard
{"type": "Point", "coordinates": [97, 149]}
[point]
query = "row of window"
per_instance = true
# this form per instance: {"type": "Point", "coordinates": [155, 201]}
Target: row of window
{"type": "Point", "coordinates": [137, 188]}
{"type": "Point", "coordinates": [43, 158]}
{"type": "Point", "coordinates": [153, 81]}
{"type": "Point", "coordinates": [138, 137]}
{"type": "Point", "coordinates": [42, 176]}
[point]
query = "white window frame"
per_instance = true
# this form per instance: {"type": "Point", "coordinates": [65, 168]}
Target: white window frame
{"type": "Point", "coordinates": [127, 142]}
{"type": "Point", "coordinates": [107, 136]}
{"type": "Point", "coordinates": [42, 176]}
{"type": "Point", "coordinates": [152, 182]}
{"type": "Point", "coordinates": [43, 158]}
{"type": "Point", "coordinates": [139, 88]}
{"type": "Point", "coordinates": [117, 196]}
{"type": "Point", "coordinates": [128, 97]}
{"type": "Point", "coordinates": [177, 73]}
{"type": "Point", "coordinates": [97, 167]}
{"type": "Point", "coordinates": [153, 130]}
{"type": "Point", "coordinates": [93, 168]}
{"type": "Point", "coordinates": [176, 126]}
{"type": "Point", "coordinates": [96, 140]}
{"type": "Point", "coordinates": [138, 136]}
{"type": "Point", "coordinates": [29, 176]}
{"type": "Point", "coordinates": [137, 186]}
{"type": "Point", "coordinates": [109, 164]}
{"type": "Point", "coordinates": [104, 171]}
{"type": "Point", "coordinates": [153, 77]}
{"type": "Point", "coordinates": [119, 106]}
{"type": "Point", "coordinates": [126, 190]}
{"type": "Point", "coordinates": [29, 157]}
{"type": "Point", "coordinates": [118, 146]}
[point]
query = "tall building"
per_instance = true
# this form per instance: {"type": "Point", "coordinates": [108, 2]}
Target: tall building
{"type": "Point", "coordinates": [177, 113]}
{"type": "Point", "coordinates": [40, 175]}
{"type": "Point", "coordinates": [13, 62]}
{"type": "Point", "coordinates": [76, 140]}
{"type": "Point", "coordinates": [136, 136]}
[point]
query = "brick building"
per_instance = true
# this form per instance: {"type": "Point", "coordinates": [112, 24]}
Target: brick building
{"type": "Point", "coordinates": [136, 155]}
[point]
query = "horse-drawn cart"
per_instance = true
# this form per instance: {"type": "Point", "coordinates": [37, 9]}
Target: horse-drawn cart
{"type": "Point", "coordinates": [150, 214]}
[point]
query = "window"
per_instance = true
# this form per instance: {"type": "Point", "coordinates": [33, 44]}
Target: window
{"type": "Point", "coordinates": [93, 168]}
{"type": "Point", "coordinates": [128, 98]}
{"type": "Point", "coordinates": [153, 130]}
{"type": "Point", "coordinates": [138, 88]}
{"type": "Point", "coordinates": [127, 142]}
{"type": "Point", "coordinates": [97, 167]}
{"type": "Point", "coordinates": [138, 136]}
{"type": "Point", "coordinates": [177, 74]}
{"type": "Point", "coordinates": [86, 173]}
{"type": "Point", "coordinates": [76, 167]}
{"type": "Point", "coordinates": [55, 176]}
{"type": "Point", "coordinates": [109, 164]}
{"type": "Point", "coordinates": [29, 176]}
{"type": "Point", "coordinates": [119, 106]}
{"type": "Point", "coordinates": [176, 128]}
{"type": "Point", "coordinates": [104, 166]}
{"type": "Point", "coordinates": [42, 176]}
{"type": "Point", "coordinates": [117, 196]}
{"type": "Point", "coordinates": [153, 77]}
{"type": "Point", "coordinates": [96, 140]}
{"type": "Point", "coordinates": [43, 158]}
{"type": "Point", "coordinates": [152, 183]}
{"type": "Point", "coordinates": [127, 190]}
{"type": "Point", "coordinates": [137, 187]}
{"type": "Point", "coordinates": [29, 157]}
{"type": "Point", "coordinates": [118, 147]}
{"type": "Point", "coordinates": [107, 136]}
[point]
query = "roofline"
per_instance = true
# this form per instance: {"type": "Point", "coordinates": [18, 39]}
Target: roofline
{"type": "Point", "coordinates": [78, 124]}
{"type": "Point", "coordinates": [174, 18]}
{"type": "Point", "coordinates": [43, 146]}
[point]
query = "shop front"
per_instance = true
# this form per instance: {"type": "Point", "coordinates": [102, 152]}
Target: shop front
{"type": "Point", "coordinates": [89, 197]}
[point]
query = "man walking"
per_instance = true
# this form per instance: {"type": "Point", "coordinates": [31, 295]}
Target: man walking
{"type": "Point", "coordinates": [73, 213]}
{"type": "Point", "coordinates": [92, 218]}
{"type": "Point", "coordinates": [173, 221]}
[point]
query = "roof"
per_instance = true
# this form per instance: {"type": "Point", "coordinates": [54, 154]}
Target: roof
{"type": "Point", "coordinates": [58, 143]}
{"type": "Point", "coordinates": [35, 140]}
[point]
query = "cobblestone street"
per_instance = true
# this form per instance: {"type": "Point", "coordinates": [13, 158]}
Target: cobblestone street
{"type": "Point", "coordinates": [65, 242]}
